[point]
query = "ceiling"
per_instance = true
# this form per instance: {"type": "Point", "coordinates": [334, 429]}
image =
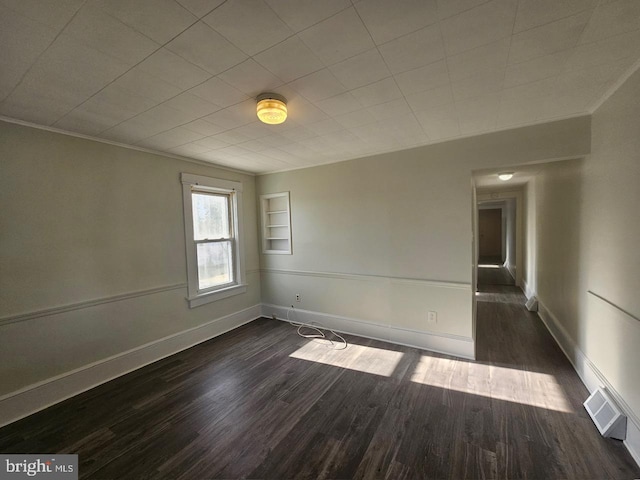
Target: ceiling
{"type": "Point", "coordinates": [361, 77]}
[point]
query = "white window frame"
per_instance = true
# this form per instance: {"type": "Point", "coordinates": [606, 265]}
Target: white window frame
{"type": "Point", "coordinates": [197, 183]}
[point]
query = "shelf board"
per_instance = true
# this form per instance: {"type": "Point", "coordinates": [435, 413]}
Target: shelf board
{"type": "Point", "coordinates": [274, 226]}
{"type": "Point", "coordinates": [276, 211]}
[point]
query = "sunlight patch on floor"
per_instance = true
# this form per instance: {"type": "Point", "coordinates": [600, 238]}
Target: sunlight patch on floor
{"type": "Point", "coordinates": [509, 384]}
{"type": "Point", "coordinates": [355, 357]}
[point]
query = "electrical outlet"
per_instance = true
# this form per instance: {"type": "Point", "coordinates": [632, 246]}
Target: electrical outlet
{"type": "Point", "coordinates": [432, 317]}
{"type": "Point", "coordinates": [297, 297]}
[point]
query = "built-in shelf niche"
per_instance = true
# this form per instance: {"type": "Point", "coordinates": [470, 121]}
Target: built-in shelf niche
{"type": "Point", "coordinates": [276, 223]}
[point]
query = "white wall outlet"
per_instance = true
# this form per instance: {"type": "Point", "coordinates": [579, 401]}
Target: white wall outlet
{"type": "Point", "coordinates": [297, 297]}
{"type": "Point", "coordinates": [432, 317]}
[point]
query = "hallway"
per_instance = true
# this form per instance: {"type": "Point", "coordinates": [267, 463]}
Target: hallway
{"type": "Point", "coordinates": [529, 367]}
{"type": "Point", "coordinates": [491, 272]}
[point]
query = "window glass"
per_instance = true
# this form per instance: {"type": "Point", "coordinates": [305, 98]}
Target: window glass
{"type": "Point", "coordinates": [210, 216]}
{"type": "Point", "coordinates": [214, 264]}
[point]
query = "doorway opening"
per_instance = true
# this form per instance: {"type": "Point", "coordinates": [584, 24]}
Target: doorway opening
{"type": "Point", "coordinates": [496, 242]}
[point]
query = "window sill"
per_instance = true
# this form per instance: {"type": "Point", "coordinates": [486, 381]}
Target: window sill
{"type": "Point", "coordinates": [209, 297]}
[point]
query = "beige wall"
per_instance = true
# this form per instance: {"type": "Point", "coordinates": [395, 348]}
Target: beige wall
{"type": "Point", "coordinates": [402, 215]}
{"type": "Point", "coordinates": [529, 280]}
{"type": "Point", "coordinates": [558, 196]}
{"type": "Point", "coordinates": [82, 220]}
{"type": "Point", "coordinates": [610, 236]}
{"type": "Point", "coordinates": [612, 196]}
{"type": "Point", "coordinates": [585, 239]}
{"type": "Point", "coordinates": [512, 236]}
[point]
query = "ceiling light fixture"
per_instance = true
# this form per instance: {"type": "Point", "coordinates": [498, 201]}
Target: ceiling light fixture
{"type": "Point", "coordinates": [272, 108]}
{"type": "Point", "coordinates": [504, 176]}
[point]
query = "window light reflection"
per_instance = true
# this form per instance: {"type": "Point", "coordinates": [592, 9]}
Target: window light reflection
{"type": "Point", "coordinates": [355, 357]}
{"type": "Point", "coordinates": [500, 383]}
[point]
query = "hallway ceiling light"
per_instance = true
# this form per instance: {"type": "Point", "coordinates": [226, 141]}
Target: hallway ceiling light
{"type": "Point", "coordinates": [504, 176]}
{"type": "Point", "coordinates": [271, 108]}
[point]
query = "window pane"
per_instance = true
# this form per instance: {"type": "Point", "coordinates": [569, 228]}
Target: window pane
{"type": "Point", "coordinates": [214, 264]}
{"type": "Point", "coordinates": [210, 216]}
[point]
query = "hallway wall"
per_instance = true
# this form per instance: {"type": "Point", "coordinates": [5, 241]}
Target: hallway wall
{"type": "Point", "coordinates": [529, 277]}
{"type": "Point", "coordinates": [586, 242]}
{"type": "Point", "coordinates": [559, 243]}
{"type": "Point", "coordinates": [511, 237]}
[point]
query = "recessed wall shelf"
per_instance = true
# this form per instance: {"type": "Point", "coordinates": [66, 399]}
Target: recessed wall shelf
{"type": "Point", "coordinates": [276, 223]}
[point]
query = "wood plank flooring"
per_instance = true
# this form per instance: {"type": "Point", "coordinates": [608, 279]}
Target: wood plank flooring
{"type": "Point", "coordinates": [491, 272]}
{"type": "Point", "coordinates": [261, 402]}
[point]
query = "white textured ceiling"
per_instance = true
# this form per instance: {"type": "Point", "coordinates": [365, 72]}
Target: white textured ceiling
{"type": "Point", "coordinates": [361, 77]}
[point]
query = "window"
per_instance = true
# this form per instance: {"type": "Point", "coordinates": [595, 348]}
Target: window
{"type": "Point", "coordinates": [213, 238]}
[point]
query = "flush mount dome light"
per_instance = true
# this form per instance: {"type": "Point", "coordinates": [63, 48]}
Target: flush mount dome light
{"type": "Point", "coordinates": [272, 108]}
{"type": "Point", "coordinates": [504, 176]}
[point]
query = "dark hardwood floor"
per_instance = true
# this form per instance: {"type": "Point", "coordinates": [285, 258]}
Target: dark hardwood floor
{"type": "Point", "coordinates": [261, 402]}
{"type": "Point", "coordinates": [491, 272]}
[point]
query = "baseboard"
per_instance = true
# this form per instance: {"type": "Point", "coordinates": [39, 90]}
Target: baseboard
{"type": "Point", "coordinates": [591, 376]}
{"type": "Point", "coordinates": [511, 269]}
{"type": "Point", "coordinates": [632, 442]}
{"type": "Point", "coordinates": [435, 342]}
{"type": "Point", "coordinates": [527, 290]}
{"type": "Point", "coordinates": [31, 399]}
